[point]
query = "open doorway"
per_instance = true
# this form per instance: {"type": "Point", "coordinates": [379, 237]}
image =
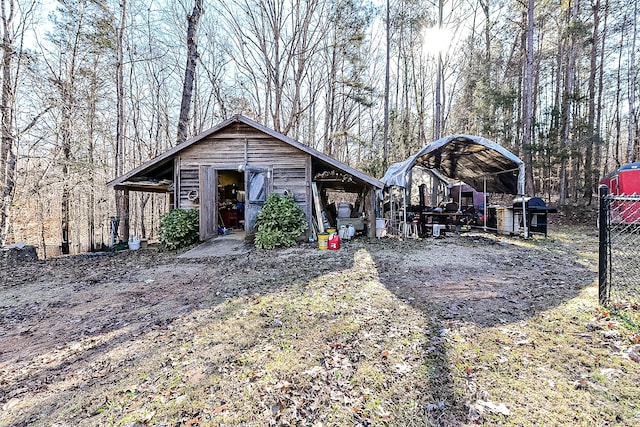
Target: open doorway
{"type": "Point", "coordinates": [231, 200]}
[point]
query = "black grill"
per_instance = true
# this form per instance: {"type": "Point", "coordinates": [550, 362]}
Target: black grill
{"type": "Point", "coordinates": [536, 210]}
{"type": "Point", "coordinates": [533, 205]}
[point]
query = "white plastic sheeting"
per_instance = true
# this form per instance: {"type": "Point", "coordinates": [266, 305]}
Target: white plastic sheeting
{"type": "Point", "coordinates": [471, 159]}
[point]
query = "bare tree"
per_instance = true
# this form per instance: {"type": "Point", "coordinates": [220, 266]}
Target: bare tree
{"type": "Point", "coordinates": [569, 77]}
{"type": "Point", "coordinates": [632, 87]}
{"type": "Point", "coordinates": [592, 128]}
{"type": "Point", "coordinates": [14, 25]}
{"type": "Point", "coordinates": [190, 70]}
{"type": "Point", "coordinates": [276, 43]}
{"type": "Point", "coordinates": [600, 162]}
{"type": "Point", "coordinates": [527, 140]}
{"type": "Point", "coordinates": [7, 143]}
{"type": "Point", "coordinates": [121, 196]}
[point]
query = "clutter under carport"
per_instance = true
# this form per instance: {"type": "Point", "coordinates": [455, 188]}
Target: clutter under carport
{"type": "Point", "coordinates": [455, 177]}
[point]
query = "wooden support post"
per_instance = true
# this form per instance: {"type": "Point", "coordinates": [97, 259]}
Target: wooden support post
{"type": "Point", "coordinates": [318, 207]}
{"type": "Point", "coordinates": [123, 215]}
{"type": "Point", "coordinates": [371, 212]}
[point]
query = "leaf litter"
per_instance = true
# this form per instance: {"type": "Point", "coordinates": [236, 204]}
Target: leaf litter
{"type": "Point", "coordinates": [470, 329]}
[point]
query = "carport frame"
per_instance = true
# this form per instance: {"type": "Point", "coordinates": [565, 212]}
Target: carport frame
{"type": "Point", "coordinates": [477, 148]}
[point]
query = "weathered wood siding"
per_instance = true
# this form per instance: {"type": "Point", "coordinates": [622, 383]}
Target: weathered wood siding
{"type": "Point", "coordinates": [290, 168]}
{"type": "Point", "coordinates": [294, 180]}
{"type": "Point", "coordinates": [189, 181]}
{"type": "Point", "coordinates": [208, 180]}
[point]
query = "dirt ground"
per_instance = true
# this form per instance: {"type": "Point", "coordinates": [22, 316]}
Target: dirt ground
{"type": "Point", "coordinates": [77, 331]}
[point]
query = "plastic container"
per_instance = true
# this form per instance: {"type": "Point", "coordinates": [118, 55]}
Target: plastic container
{"type": "Point", "coordinates": [351, 230]}
{"type": "Point", "coordinates": [344, 210]}
{"type": "Point", "coordinates": [381, 227]}
{"type": "Point", "coordinates": [505, 220]}
{"type": "Point", "coordinates": [334, 243]}
{"type": "Point", "coordinates": [323, 241]}
{"type": "Point", "coordinates": [331, 231]}
{"type": "Point", "coordinates": [344, 232]}
{"type": "Point", "coordinates": [134, 244]}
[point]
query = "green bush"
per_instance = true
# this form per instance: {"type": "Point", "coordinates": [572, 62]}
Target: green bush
{"type": "Point", "coordinates": [279, 223]}
{"type": "Point", "coordinates": [179, 228]}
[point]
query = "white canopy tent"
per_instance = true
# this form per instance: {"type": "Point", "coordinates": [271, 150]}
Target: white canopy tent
{"type": "Point", "coordinates": [474, 160]}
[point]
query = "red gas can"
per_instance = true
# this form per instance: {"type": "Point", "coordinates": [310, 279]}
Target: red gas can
{"type": "Point", "coordinates": [334, 242]}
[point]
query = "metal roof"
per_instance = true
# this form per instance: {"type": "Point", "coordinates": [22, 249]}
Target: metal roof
{"type": "Point", "coordinates": [467, 158]}
{"type": "Point", "coordinates": [630, 166]}
{"type": "Point", "coordinates": [125, 180]}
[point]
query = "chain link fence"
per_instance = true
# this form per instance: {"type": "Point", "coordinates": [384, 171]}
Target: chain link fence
{"type": "Point", "coordinates": [619, 252]}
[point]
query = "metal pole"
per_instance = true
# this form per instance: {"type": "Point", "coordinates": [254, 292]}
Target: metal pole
{"type": "Point", "coordinates": [392, 220]}
{"type": "Point", "coordinates": [486, 209]}
{"type": "Point", "coordinates": [404, 212]}
{"type": "Point", "coordinates": [524, 218]}
{"type": "Point", "coordinates": [603, 240]}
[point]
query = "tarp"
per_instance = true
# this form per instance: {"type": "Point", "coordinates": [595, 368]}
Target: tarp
{"type": "Point", "coordinates": [467, 158]}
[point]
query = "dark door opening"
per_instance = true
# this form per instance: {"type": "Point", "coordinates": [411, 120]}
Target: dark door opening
{"type": "Point", "coordinates": [231, 199]}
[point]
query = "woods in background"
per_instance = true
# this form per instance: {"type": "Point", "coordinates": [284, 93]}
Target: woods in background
{"type": "Point", "coordinates": [94, 88]}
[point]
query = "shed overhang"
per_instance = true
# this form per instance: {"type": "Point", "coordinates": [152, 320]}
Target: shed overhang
{"type": "Point", "coordinates": [155, 174]}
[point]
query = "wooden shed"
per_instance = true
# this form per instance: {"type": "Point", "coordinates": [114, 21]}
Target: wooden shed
{"type": "Point", "coordinates": [227, 172]}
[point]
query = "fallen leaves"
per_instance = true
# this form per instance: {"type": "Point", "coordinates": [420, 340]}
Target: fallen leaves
{"type": "Point", "coordinates": [634, 338]}
{"type": "Point", "coordinates": [402, 368]}
{"type": "Point", "coordinates": [193, 421]}
{"type": "Point", "coordinates": [220, 408]}
{"type": "Point", "coordinates": [481, 408]}
{"type": "Point", "coordinates": [354, 339]}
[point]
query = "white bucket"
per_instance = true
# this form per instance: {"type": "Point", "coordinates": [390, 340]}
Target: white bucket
{"type": "Point", "coordinates": [437, 228]}
{"type": "Point", "coordinates": [134, 245]}
{"type": "Point", "coordinates": [381, 227]}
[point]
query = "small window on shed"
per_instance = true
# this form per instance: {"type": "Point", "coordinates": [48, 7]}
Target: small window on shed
{"type": "Point", "coordinates": [257, 185]}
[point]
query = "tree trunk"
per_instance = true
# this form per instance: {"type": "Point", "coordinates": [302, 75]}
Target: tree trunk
{"type": "Point", "coordinates": [329, 133]}
{"type": "Point", "coordinates": [7, 139]}
{"type": "Point", "coordinates": [592, 136]}
{"type": "Point", "coordinates": [598, 166]}
{"type": "Point", "coordinates": [439, 89]}
{"type": "Point", "coordinates": [632, 89]}
{"type": "Point", "coordinates": [66, 87]}
{"type": "Point", "coordinates": [121, 200]}
{"type": "Point", "coordinates": [528, 103]}
{"type": "Point", "coordinates": [93, 99]}
{"type": "Point", "coordinates": [190, 70]}
{"type": "Point", "coordinates": [566, 109]}
{"type": "Point", "coordinates": [618, 121]}
{"type": "Point", "coordinates": [65, 209]}
{"type": "Point", "coordinates": [385, 142]}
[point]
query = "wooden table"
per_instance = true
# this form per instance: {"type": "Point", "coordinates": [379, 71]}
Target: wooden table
{"type": "Point", "coordinates": [448, 219]}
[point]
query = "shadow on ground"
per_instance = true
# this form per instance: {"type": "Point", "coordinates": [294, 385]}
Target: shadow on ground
{"type": "Point", "coordinates": [64, 318]}
{"type": "Point", "coordinates": [479, 280]}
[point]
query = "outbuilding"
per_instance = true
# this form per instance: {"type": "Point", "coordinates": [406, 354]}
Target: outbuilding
{"type": "Point", "coordinates": [471, 163]}
{"type": "Point", "coordinates": [228, 171]}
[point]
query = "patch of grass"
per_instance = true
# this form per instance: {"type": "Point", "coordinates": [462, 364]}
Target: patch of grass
{"type": "Point", "coordinates": [553, 369]}
{"type": "Point", "coordinates": [422, 336]}
{"type": "Point", "coordinates": [334, 348]}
